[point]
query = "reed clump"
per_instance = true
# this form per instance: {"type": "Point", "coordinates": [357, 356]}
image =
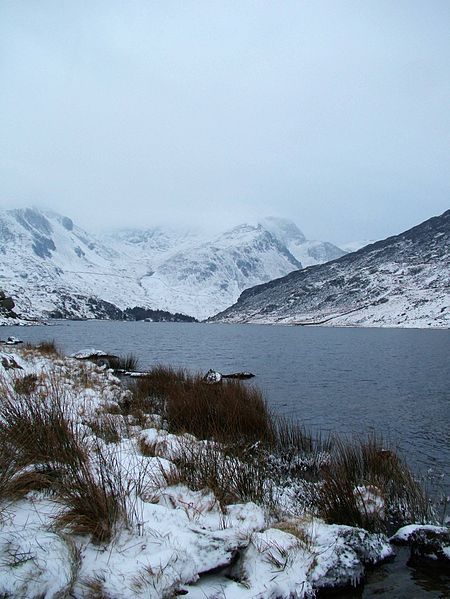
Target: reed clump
{"type": "Point", "coordinates": [128, 363]}
{"type": "Point", "coordinates": [43, 448]}
{"type": "Point", "coordinates": [47, 348]}
{"type": "Point", "coordinates": [94, 499]}
{"type": "Point", "coordinates": [231, 412]}
{"type": "Point", "coordinates": [366, 485]}
{"type": "Point", "coordinates": [233, 477]}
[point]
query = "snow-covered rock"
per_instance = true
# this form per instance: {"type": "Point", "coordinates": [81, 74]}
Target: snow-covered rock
{"type": "Point", "coordinates": [90, 352]}
{"type": "Point", "coordinates": [426, 541]}
{"type": "Point", "coordinates": [8, 361]}
{"type": "Point", "coordinates": [213, 377]}
{"type": "Point", "coordinates": [13, 341]}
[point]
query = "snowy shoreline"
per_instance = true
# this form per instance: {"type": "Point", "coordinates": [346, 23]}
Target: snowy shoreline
{"type": "Point", "coordinates": [168, 538]}
{"type": "Point", "coordinates": [19, 322]}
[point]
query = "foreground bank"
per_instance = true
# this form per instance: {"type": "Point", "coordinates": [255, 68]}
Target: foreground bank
{"type": "Point", "coordinates": [175, 486]}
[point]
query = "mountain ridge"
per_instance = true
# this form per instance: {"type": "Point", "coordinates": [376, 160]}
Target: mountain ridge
{"type": "Point", "coordinates": [55, 268]}
{"type": "Point", "coordinates": [355, 289]}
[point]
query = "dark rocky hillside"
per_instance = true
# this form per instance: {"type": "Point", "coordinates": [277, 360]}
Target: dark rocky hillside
{"type": "Point", "coordinates": [400, 281]}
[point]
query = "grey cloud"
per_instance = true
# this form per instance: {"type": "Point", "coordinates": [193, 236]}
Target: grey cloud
{"type": "Point", "coordinates": [331, 113]}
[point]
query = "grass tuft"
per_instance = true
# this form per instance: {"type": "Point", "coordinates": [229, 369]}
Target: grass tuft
{"type": "Point", "coordinates": [108, 427]}
{"type": "Point", "coordinates": [25, 384]}
{"type": "Point", "coordinates": [93, 506]}
{"type": "Point", "coordinates": [39, 428]}
{"type": "Point", "coordinates": [128, 363]}
{"type": "Point", "coordinates": [368, 486]}
{"type": "Point", "coordinates": [232, 479]}
{"type": "Point", "coordinates": [231, 412]}
{"type": "Point", "coordinates": [46, 348]}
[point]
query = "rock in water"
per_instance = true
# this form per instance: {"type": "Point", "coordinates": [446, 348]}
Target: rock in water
{"type": "Point", "coordinates": [97, 356]}
{"type": "Point", "coordinates": [13, 341]}
{"type": "Point", "coordinates": [427, 542]}
{"type": "Point", "coordinates": [238, 375]}
{"type": "Point", "coordinates": [212, 377]}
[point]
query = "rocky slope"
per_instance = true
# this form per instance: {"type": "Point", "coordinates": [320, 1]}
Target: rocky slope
{"type": "Point", "coordinates": [53, 268]}
{"type": "Point", "coordinates": [306, 251]}
{"type": "Point", "coordinates": [194, 274]}
{"type": "Point", "coordinates": [400, 281]}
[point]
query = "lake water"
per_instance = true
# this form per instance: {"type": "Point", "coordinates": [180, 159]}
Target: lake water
{"type": "Point", "coordinates": [353, 381]}
{"type": "Point", "coordinates": [391, 381]}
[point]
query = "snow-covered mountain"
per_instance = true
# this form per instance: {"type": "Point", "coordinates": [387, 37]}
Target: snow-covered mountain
{"type": "Point", "coordinates": [214, 273]}
{"type": "Point", "coordinates": [401, 281]}
{"type": "Point", "coordinates": [152, 246]}
{"type": "Point", "coordinates": [306, 251]}
{"type": "Point", "coordinates": [51, 267]}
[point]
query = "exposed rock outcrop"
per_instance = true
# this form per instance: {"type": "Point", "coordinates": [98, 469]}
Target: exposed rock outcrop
{"type": "Point", "coordinates": [7, 305]}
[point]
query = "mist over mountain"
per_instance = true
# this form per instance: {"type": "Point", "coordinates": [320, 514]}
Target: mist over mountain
{"type": "Point", "coordinates": [53, 268]}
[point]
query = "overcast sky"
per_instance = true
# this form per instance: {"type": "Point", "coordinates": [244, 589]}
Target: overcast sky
{"type": "Point", "coordinates": [333, 113]}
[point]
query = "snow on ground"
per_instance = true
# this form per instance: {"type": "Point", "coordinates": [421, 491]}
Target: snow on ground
{"type": "Point", "coordinates": [176, 538]}
{"type": "Point", "coordinates": [7, 322]}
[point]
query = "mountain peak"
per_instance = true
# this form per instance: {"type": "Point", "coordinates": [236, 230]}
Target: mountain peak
{"type": "Point", "coordinates": [283, 229]}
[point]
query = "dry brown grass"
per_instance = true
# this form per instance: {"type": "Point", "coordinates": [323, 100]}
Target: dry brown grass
{"type": "Point", "coordinates": [38, 426]}
{"type": "Point", "coordinates": [111, 428]}
{"type": "Point", "coordinates": [94, 502]}
{"type": "Point", "coordinates": [44, 450]}
{"type": "Point", "coordinates": [128, 363]}
{"type": "Point", "coordinates": [25, 384]}
{"type": "Point", "coordinates": [230, 477]}
{"type": "Point", "coordinates": [365, 463]}
{"type": "Point", "coordinates": [297, 528]}
{"type": "Point", "coordinates": [46, 348]}
{"type": "Point", "coordinates": [95, 587]}
{"type": "Point", "coordinates": [232, 412]}
{"type": "Point", "coordinates": [146, 448]}
{"type": "Point", "coordinates": [8, 468]}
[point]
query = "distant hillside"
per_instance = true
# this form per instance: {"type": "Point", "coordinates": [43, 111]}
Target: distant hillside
{"type": "Point", "coordinates": [400, 281]}
{"type": "Point", "coordinates": [53, 268]}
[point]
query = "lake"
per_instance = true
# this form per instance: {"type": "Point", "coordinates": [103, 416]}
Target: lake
{"type": "Point", "coordinates": [347, 380]}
